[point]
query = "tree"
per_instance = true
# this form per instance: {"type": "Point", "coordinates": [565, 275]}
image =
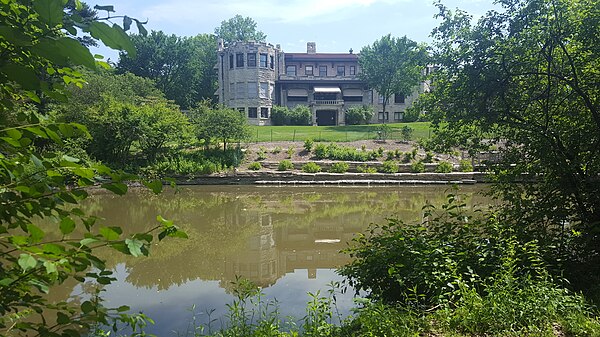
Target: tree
{"type": "Point", "coordinates": [239, 28]}
{"type": "Point", "coordinates": [220, 123]}
{"type": "Point", "coordinates": [39, 52]}
{"type": "Point", "coordinates": [182, 67]}
{"type": "Point", "coordinates": [392, 66]}
{"type": "Point", "coordinates": [121, 111]}
{"type": "Point", "coordinates": [527, 80]}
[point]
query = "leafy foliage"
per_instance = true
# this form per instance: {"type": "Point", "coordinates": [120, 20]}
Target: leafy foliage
{"type": "Point", "coordinates": [299, 115]}
{"type": "Point", "coordinates": [444, 167]}
{"type": "Point", "coordinates": [311, 167]}
{"type": "Point", "coordinates": [239, 28]}
{"type": "Point", "coordinates": [221, 123]}
{"type": "Point", "coordinates": [339, 167]}
{"type": "Point", "coordinates": [359, 115]}
{"type": "Point", "coordinates": [255, 166]}
{"type": "Point", "coordinates": [285, 165]}
{"type": "Point", "coordinates": [525, 79]}
{"type": "Point", "coordinates": [182, 67]}
{"type": "Point", "coordinates": [392, 65]}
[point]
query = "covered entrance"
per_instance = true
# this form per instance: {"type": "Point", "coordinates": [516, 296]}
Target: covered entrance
{"type": "Point", "coordinates": [326, 117]}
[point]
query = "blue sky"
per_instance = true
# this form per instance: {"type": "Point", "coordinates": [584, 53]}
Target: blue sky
{"type": "Point", "coordinates": [335, 25]}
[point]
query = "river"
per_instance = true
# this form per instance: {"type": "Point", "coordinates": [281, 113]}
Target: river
{"type": "Point", "coordinates": [287, 240]}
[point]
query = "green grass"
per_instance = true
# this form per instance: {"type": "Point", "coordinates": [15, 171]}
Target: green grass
{"type": "Point", "coordinates": [334, 133]}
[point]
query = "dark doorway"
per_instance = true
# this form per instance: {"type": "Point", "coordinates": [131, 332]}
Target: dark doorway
{"type": "Point", "coordinates": [326, 117]}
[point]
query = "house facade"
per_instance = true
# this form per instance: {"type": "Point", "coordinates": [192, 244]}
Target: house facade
{"type": "Point", "coordinates": [255, 76]}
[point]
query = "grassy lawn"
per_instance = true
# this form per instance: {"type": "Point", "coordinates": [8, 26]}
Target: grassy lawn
{"type": "Point", "coordinates": [334, 133]}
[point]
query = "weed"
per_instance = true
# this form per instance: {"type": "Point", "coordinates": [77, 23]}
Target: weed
{"type": "Point", "coordinates": [276, 150]}
{"type": "Point", "coordinates": [364, 168]}
{"type": "Point", "coordinates": [255, 166]}
{"type": "Point", "coordinates": [308, 144]}
{"type": "Point", "coordinates": [290, 152]}
{"type": "Point", "coordinates": [311, 167]}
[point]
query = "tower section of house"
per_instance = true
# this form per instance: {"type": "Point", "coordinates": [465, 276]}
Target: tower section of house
{"type": "Point", "coordinates": [247, 75]}
{"type": "Point", "coordinates": [326, 82]}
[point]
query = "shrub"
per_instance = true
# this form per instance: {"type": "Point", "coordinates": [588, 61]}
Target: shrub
{"type": "Point", "coordinates": [311, 167]}
{"type": "Point", "coordinates": [255, 166]}
{"type": "Point", "coordinates": [339, 167]}
{"type": "Point", "coordinates": [321, 151]}
{"type": "Point", "coordinates": [285, 165]}
{"type": "Point", "coordinates": [428, 157]}
{"type": "Point", "coordinates": [389, 166]}
{"type": "Point", "coordinates": [276, 150]}
{"type": "Point", "coordinates": [444, 167]}
{"type": "Point", "coordinates": [358, 115]}
{"type": "Point", "coordinates": [290, 152]}
{"type": "Point", "coordinates": [365, 169]}
{"type": "Point", "coordinates": [299, 115]}
{"type": "Point", "coordinates": [308, 144]}
{"type": "Point", "coordinates": [406, 132]}
{"type": "Point", "coordinates": [465, 166]}
{"type": "Point", "coordinates": [417, 167]}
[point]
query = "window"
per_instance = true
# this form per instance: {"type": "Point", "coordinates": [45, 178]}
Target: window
{"type": "Point", "coordinates": [230, 61]}
{"type": "Point", "coordinates": [264, 112]}
{"type": "Point", "coordinates": [383, 117]}
{"type": "Point", "coordinates": [381, 99]}
{"type": "Point", "coordinates": [251, 59]}
{"type": "Point", "coordinates": [398, 116]}
{"type": "Point", "coordinates": [353, 98]}
{"type": "Point", "coordinates": [240, 90]}
{"type": "Point", "coordinates": [352, 70]}
{"type": "Point", "coordinates": [239, 60]}
{"type": "Point", "coordinates": [231, 90]}
{"type": "Point", "coordinates": [252, 112]}
{"type": "Point", "coordinates": [263, 60]}
{"type": "Point", "coordinates": [341, 70]}
{"type": "Point", "coordinates": [399, 98]}
{"type": "Point", "coordinates": [290, 70]}
{"type": "Point", "coordinates": [242, 111]}
{"type": "Point", "coordinates": [323, 71]}
{"type": "Point", "coordinates": [271, 91]}
{"type": "Point", "coordinates": [271, 63]}
{"type": "Point", "coordinates": [252, 90]}
{"type": "Point", "coordinates": [308, 70]}
{"type": "Point", "coordinates": [263, 90]}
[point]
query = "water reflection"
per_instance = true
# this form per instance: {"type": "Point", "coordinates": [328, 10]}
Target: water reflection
{"type": "Point", "coordinates": [287, 240]}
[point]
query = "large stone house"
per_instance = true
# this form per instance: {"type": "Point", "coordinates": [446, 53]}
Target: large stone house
{"type": "Point", "coordinates": [255, 76]}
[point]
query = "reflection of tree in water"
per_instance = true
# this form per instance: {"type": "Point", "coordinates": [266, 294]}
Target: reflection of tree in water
{"type": "Point", "coordinates": [259, 233]}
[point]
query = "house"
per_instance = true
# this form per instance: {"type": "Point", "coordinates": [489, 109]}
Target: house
{"type": "Point", "coordinates": [255, 76]}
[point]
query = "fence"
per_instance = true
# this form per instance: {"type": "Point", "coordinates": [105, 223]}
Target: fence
{"type": "Point", "coordinates": [270, 135]}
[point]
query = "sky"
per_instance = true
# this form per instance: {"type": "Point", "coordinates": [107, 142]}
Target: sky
{"type": "Point", "coordinates": [335, 25]}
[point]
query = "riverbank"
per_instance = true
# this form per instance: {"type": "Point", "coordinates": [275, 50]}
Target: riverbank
{"type": "Point", "coordinates": [324, 178]}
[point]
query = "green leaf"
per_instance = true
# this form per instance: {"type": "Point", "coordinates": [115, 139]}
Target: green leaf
{"type": "Point", "coordinates": [62, 318]}
{"type": "Point", "coordinates": [37, 131]}
{"type": "Point", "coordinates": [33, 96]}
{"type": "Point", "coordinates": [84, 173]}
{"type": "Point", "coordinates": [113, 37]}
{"type": "Point", "coordinates": [87, 241]}
{"type": "Point", "coordinates": [155, 185]}
{"type": "Point", "coordinates": [141, 29]}
{"type": "Point", "coordinates": [67, 225]}
{"type": "Point", "coordinates": [126, 23]}
{"type": "Point", "coordinates": [50, 267]}
{"type": "Point", "coordinates": [135, 247]}
{"type": "Point", "coordinates": [35, 233]}
{"type": "Point", "coordinates": [14, 36]}
{"type": "Point", "coordinates": [87, 307]}
{"type": "Point", "coordinates": [123, 308]}
{"type": "Point", "coordinates": [76, 52]}
{"type": "Point", "coordinates": [26, 77]}
{"type": "Point", "coordinates": [50, 11]}
{"type": "Point", "coordinates": [11, 141]}
{"type": "Point", "coordinates": [6, 282]}
{"type": "Point", "coordinates": [108, 8]}
{"type": "Point", "coordinates": [179, 234]}
{"type": "Point", "coordinates": [14, 134]}
{"type": "Point", "coordinates": [117, 188]}
{"type": "Point", "coordinates": [27, 262]}
{"type": "Point", "coordinates": [111, 233]}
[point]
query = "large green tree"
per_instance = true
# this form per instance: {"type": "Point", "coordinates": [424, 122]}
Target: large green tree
{"type": "Point", "coordinates": [183, 68]}
{"type": "Point", "coordinates": [239, 28]}
{"type": "Point", "coordinates": [219, 123]}
{"type": "Point", "coordinates": [392, 66]}
{"type": "Point", "coordinates": [527, 79]}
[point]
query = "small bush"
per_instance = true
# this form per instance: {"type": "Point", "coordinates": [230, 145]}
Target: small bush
{"type": "Point", "coordinates": [276, 150]}
{"type": "Point", "coordinates": [406, 132]}
{"type": "Point", "coordinates": [417, 167]}
{"type": "Point", "coordinates": [285, 165]}
{"type": "Point", "coordinates": [255, 166]}
{"type": "Point", "coordinates": [428, 157]}
{"type": "Point", "coordinates": [321, 151]}
{"type": "Point", "coordinates": [311, 167]}
{"type": "Point", "coordinates": [389, 166]}
{"type": "Point", "coordinates": [308, 145]}
{"type": "Point", "coordinates": [444, 167]}
{"type": "Point", "coordinates": [339, 167]}
{"type": "Point", "coordinates": [261, 155]}
{"type": "Point", "coordinates": [465, 166]}
{"type": "Point", "coordinates": [290, 152]}
{"type": "Point", "coordinates": [365, 169]}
